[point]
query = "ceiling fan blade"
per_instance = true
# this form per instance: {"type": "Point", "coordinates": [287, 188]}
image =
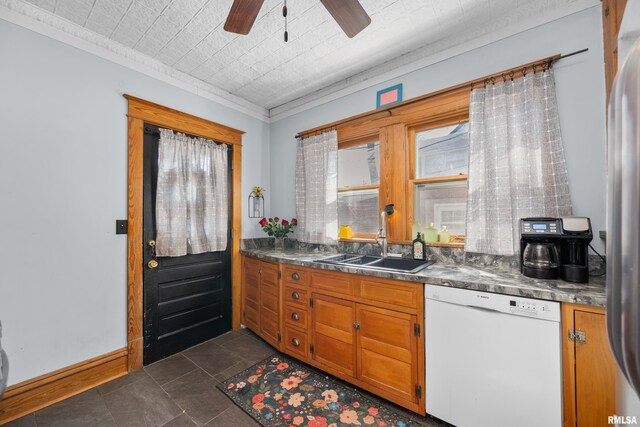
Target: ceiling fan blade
{"type": "Point", "coordinates": [242, 15]}
{"type": "Point", "coordinates": [349, 14]}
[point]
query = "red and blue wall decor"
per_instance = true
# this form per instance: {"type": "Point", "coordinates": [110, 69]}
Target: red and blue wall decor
{"type": "Point", "coordinates": [388, 96]}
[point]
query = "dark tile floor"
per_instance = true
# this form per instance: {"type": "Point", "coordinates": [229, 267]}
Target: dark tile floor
{"type": "Point", "coordinates": [174, 392]}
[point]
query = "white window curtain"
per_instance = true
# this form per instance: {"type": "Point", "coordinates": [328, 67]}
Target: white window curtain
{"type": "Point", "coordinates": [317, 188]}
{"type": "Point", "coordinates": [516, 161]}
{"type": "Point", "coordinates": [192, 201]}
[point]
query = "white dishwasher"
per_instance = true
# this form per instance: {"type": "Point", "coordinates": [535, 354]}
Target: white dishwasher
{"type": "Point", "coordinates": [492, 360]}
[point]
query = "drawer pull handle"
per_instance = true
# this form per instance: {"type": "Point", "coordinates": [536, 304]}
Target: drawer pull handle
{"type": "Point", "coordinates": [295, 341]}
{"type": "Point", "coordinates": [295, 276]}
{"type": "Point", "coordinates": [295, 316]}
{"type": "Point", "coordinates": [295, 295]}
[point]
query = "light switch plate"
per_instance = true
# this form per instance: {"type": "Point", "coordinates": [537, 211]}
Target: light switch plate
{"type": "Point", "coordinates": [121, 226]}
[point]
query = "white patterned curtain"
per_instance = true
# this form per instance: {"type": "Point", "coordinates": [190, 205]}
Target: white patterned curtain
{"type": "Point", "coordinates": [192, 205]}
{"type": "Point", "coordinates": [317, 188]}
{"type": "Point", "coordinates": [516, 161]}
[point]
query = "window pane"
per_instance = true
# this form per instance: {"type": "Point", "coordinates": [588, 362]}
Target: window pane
{"type": "Point", "coordinates": [442, 151]}
{"type": "Point", "coordinates": [359, 165]}
{"type": "Point", "coordinates": [442, 204]}
{"type": "Point", "coordinates": [359, 210]}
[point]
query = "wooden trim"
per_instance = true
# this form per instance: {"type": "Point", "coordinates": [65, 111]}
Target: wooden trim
{"type": "Point", "coordinates": [438, 179]}
{"type": "Point", "coordinates": [568, 366]}
{"type": "Point", "coordinates": [446, 245]}
{"type": "Point", "coordinates": [612, 13]}
{"type": "Point", "coordinates": [384, 113]}
{"type": "Point", "coordinates": [236, 223]}
{"type": "Point", "coordinates": [177, 120]}
{"type": "Point", "coordinates": [569, 359]}
{"type": "Point", "coordinates": [134, 243]}
{"type": "Point", "coordinates": [37, 393]}
{"type": "Point", "coordinates": [359, 188]}
{"type": "Point", "coordinates": [141, 111]}
{"type": "Point", "coordinates": [393, 180]}
{"type": "Point", "coordinates": [358, 141]}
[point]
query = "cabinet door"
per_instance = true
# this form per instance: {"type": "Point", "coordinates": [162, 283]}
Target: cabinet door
{"type": "Point", "coordinates": [251, 294]}
{"type": "Point", "coordinates": [333, 335]}
{"type": "Point", "coordinates": [595, 371]}
{"type": "Point", "coordinates": [269, 303]}
{"type": "Point", "coordinates": [387, 350]}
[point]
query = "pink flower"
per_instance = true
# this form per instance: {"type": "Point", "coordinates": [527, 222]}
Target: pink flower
{"type": "Point", "coordinates": [373, 411]}
{"type": "Point", "coordinates": [356, 404]}
{"type": "Point", "coordinates": [291, 382]}
{"type": "Point", "coordinates": [318, 422]}
{"type": "Point", "coordinates": [297, 421]}
{"type": "Point", "coordinates": [282, 366]}
{"type": "Point", "coordinates": [348, 417]}
{"type": "Point", "coordinates": [368, 420]}
{"type": "Point", "coordinates": [296, 400]}
{"type": "Point", "coordinates": [330, 396]}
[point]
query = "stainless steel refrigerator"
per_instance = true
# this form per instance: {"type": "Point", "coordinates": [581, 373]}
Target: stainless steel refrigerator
{"type": "Point", "coordinates": [623, 216]}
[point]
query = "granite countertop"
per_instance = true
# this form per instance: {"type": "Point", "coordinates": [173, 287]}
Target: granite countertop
{"type": "Point", "coordinates": [459, 276]}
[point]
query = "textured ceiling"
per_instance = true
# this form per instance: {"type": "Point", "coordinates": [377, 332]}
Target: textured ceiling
{"type": "Point", "coordinates": [187, 35]}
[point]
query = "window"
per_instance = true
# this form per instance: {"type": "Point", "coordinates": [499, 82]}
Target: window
{"type": "Point", "coordinates": [358, 184]}
{"type": "Point", "coordinates": [440, 163]}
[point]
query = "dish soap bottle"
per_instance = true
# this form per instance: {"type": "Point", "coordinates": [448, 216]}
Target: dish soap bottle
{"type": "Point", "coordinates": [431, 234]}
{"type": "Point", "coordinates": [419, 250]}
{"type": "Point", "coordinates": [444, 235]}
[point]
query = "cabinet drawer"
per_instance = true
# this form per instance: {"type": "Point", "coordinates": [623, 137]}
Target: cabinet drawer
{"type": "Point", "coordinates": [295, 316]}
{"type": "Point", "coordinates": [295, 342]}
{"type": "Point", "coordinates": [296, 295]}
{"type": "Point", "coordinates": [334, 282]}
{"type": "Point", "coordinates": [295, 275]}
{"type": "Point", "coordinates": [391, 292]}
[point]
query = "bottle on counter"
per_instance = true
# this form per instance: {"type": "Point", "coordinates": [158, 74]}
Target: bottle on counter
{"type": "Point", "coordinates": [445, 235]}
{"type": "Point", "coordinates": [419, 248]}
{"type": "Point", "coordinates": [431, 234]}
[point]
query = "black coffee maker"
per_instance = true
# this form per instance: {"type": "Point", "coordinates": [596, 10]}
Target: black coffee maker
{"type": "Point", "coordinates": [552, 248]}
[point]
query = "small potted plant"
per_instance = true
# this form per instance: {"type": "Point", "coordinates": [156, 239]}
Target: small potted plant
{"type": "Point", "coordinates": [278, 229]}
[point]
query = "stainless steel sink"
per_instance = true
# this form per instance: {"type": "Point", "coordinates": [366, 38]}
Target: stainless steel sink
{"type": "Point", "coordinates": [377, 263]}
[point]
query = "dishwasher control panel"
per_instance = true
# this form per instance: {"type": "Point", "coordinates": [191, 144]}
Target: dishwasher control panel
{"type": "Point", "coordinates": [528, 307]}
{"type": "Point", "coordinates": [487, 301]}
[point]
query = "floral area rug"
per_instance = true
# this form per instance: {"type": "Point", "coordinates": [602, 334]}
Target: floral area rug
{"type": "Point", "coordinates": [282, 392]}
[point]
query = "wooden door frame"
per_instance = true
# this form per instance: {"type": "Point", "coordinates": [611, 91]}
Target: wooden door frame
{"type": "Point", "coordinates": [139, 113]}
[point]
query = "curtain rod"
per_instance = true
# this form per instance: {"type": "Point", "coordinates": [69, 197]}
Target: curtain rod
{"type": "Point", "coordinates": [470, 84]}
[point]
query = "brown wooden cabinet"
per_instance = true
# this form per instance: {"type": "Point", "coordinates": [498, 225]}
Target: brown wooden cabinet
{"type": "Point", "coordinates": [261, 299]}
{"type": "Point", "coordinates": [387, 350]}
{"type": "Point", "coordinates": [589, 370]}
{"type": "Point", "coordinates": [333, 334]}
{"type": "Point", "coordinates": [364, 330]}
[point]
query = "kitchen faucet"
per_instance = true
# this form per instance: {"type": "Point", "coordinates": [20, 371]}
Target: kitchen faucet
{"type": "Point", "coordinates": [381, 237]}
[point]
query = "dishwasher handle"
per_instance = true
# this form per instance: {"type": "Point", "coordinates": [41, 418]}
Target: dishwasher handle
{"type": "Point", "coordinates": [477, 307]}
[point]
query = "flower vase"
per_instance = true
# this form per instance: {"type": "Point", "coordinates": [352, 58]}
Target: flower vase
{"type": "Point", "coordinates": [279, 243]}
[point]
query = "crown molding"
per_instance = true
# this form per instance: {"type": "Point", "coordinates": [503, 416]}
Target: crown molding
{"type": "Point", "coordinates": [415, 60]}
{"type": "Point", "coordinates": [33, 18]}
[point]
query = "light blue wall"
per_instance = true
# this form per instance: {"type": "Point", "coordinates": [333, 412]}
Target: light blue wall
{"type": "Point", "coordinates": [63, 183]}
{"type": "Point", "coordinates": [581, 103]}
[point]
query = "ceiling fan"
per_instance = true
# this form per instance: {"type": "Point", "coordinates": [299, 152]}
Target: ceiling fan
{"type": "Point", "coordinates": [349, 14]}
